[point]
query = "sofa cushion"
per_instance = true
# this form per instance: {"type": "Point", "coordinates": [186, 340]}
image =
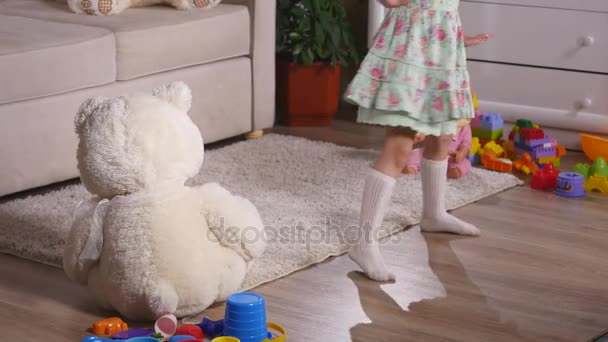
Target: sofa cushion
{"type": "Point", "coordinates": [39, 58]}
{"type": "Point", "coordinates": [154, 39]}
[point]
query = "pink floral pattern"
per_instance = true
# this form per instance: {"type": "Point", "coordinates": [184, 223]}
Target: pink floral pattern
{"type": "Point", "coordinates": [416, 67]}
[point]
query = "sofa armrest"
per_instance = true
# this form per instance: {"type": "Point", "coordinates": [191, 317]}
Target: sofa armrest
{"type": "Point", "coordinates": [263, 23]}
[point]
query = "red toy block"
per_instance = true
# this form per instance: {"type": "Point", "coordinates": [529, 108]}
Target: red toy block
{"type": "Point", "coordinates": [531, 133]}
{"type": "Point", "coordinates": [545, 179]}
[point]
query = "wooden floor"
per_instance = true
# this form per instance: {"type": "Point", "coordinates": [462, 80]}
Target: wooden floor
{"type": "Point", "coordinates": [539, 272]}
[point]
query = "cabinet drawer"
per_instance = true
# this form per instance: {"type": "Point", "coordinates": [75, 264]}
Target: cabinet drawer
{"type": "Point", "coordinates": [557, 38]}
{"type": "Point", "coordinates": [578, 99]}
{"type": "Point", "coordinates": [581, 5]}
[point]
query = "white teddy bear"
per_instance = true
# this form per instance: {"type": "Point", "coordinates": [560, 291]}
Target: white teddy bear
{"type": "Point", "coordinates": [146, 244]}
{"type": "Point", "coordinates": [108, 7]}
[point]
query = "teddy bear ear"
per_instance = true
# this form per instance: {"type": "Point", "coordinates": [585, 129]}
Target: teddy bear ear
{"type": "Point", "coordinates": [87, 108]}
{"type": "Point", "coordinates": [176, 93]}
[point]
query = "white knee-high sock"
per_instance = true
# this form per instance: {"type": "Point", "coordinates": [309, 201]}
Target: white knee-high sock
{"type": "Point", "coordinates": [434, 215]}
{"type": "Point", "coordinates": [377, 194]}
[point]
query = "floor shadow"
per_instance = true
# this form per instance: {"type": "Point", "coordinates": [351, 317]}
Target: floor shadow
{"type": "Point", "coordinates": [463, 314]}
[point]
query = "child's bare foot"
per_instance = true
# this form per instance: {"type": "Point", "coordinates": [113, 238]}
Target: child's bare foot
{"type": "Point", "coordinates": [368, 257]}
{"type": "Point", "coordinates": [408, 170]}
{"type": "Point", "coordinates": [454, 173]}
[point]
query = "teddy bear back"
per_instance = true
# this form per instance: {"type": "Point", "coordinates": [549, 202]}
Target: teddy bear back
{"type": "Point", "coordinates": [134, 143]}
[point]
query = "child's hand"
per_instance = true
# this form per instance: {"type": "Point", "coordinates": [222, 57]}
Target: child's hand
{"type": "Point", "coordinates": [460, 154]}
{"type": "Point", "coordinates": [476, 40]}
{"type": "Point", "coordinates": [393, 3]}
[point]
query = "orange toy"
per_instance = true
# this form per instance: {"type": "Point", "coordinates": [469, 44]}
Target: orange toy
{"type": "Point", "coordinates": [490, 162]}
{"type": "Point", "coordinates": [594, 147]}
{"type": "Point", "coordinates": [526, 165]}
{"type": "Point", "coordinates": [109, 326]}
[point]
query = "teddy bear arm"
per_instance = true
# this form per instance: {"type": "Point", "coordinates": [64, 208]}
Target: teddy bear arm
{"type": "Point", "coordinates": [77, 240]}
{"type": "Point", "coordinates": [234, 221]}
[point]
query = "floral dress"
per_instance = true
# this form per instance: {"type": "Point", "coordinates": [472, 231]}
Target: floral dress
{"type": "Point", "coordinates": [415, 73]}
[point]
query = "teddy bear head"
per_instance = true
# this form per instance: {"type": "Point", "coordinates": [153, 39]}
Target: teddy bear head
{"type": "Point", "coordinates": [138, 142]}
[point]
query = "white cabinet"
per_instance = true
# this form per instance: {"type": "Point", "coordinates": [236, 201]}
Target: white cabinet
{"type": "Point", "coordinates": [548, 61]}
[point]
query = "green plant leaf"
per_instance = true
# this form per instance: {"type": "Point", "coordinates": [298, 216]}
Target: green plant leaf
{"type": "Point", "coordinates": [308, 56]}
{"type": "Point", "coordinates": [295, 36]}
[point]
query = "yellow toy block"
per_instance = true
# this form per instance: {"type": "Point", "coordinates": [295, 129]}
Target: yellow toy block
{"type": "Point", "coordinates": [494, 147]}
{"type": "Point", "coordinates": [547, 160]}
{"type": "Point", "coordinates": [475, 102]}
{"type": "Point", "coordinates": [475, 146]}
{"type": "Point", "coordinates": [535, 126]}
{"type": "Point", "coordinates": [597, 183]}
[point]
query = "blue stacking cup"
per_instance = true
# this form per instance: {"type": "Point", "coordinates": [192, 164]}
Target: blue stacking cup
{"type": "Point", "coordinates": [245, 317]}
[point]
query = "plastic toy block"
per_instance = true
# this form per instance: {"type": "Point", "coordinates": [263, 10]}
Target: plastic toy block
{"type": "Point", "coordinates": [531, 133]}
{"type": "Point", "coordinates": [109, 326]}
{"type": "Point", "coordinates": [475, 121]}
{"type": "Point", "coordinates": [583, 169]}
{"type": "Point", "coordinates": [526, 165]}
{"type": "Point", "coordinates": [523, 123]}
{"type": "Point", "coordinates": [561, 151]}
{"type": "Point", "coordinates": [537, 142]}
{"type": "Point", "coordinates": [474, 159]}
{"type": "Point", "coordinates": [475, 146]}
{"type": "Point", "coordinates": [509, 150]}
{"type": "Point", "coordinates": [512, 135]}
{"type": "Point", "coordinates": [481, 133]}
{"type": "Point", "coordinates": [491, 122]}
{"type": "Point", "coordinates": [544, 152]}
{"type": "Point", "coordinates": [535, 126]}
{"type": "Point", "coordinates": [494, 147]}
{"type": "Point", "coordinates": [490, 162]}
{"type": "Point", "coordinates": [545, 179]}
{"type": "Point", "coordinates": [523, 147]}
{"type": "Point", "coordinates": [570, 184]}
{"type": "Point", "coordinates": [475, 101]}
{"type": "Point", "coordinates": [547, 160]}
{"type": "Point", "coordinates": [597, 183]}
{"type": "Point", "coordinates": [600, 167]}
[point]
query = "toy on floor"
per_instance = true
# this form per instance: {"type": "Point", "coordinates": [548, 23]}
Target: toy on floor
{"type": "Point", "coordinates": [490, 161]}
{"type": "Point", "coordinates": [459, 150]}
{"type": "Point", "coordinates": [596, 175]}
{"type": "Point", "coordinates": [109, 326]}
{"type": "Point", "coordinates": [526, 137]}
{"type": "Point", "coordinates": [245, 319]}
{"type": "Point", "coordinates": [144, 242]}
{"type": "Point", "coordinates": [570, 184]}
{"type": "Point", "coordinates": [108, 7]}
{"type": "Point", "coordinates": [488, 126]}
{"type": "Point", "coordinates": [594, 147]}
{"type": "Point", "coordinates": [545, 179]}
{"type": "Point", "coordinates": [526, 165]}
{"type": "Point", "coordinates": [127, 334]}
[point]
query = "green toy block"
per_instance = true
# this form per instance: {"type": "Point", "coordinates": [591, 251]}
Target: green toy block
{"type": "Point", "coordinates": [524, 123]}
{"type": "Point", "coordinates": [599, 168]}
{"type": "Point", "coordinates": [557, 163]}
{"type": "Point", "coordinates": [583, 169]}
{"type": "Point", "coordinates": [484, 134]}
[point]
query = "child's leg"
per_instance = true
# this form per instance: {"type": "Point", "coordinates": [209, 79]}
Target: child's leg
{"type": "Point", "coordinates": [412, 166]}
{"type": "Point", "coordinates": [434, 185]}
{"type": "Point", "coordinates": [379, 184]}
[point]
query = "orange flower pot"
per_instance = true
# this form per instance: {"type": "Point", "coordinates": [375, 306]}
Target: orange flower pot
{"type": "Point", "coordinates": [307, 95]}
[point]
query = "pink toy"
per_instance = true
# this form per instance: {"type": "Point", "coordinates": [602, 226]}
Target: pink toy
{"type": "Point", "coordinates": [462, 139]}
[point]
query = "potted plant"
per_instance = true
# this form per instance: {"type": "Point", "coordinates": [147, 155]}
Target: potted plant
{"type": "Point", "coordinates": [314, 40]}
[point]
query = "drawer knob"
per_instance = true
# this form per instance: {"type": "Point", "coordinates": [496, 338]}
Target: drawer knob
{"type": "Point", "coordinates": [583, 104]}
{"type": "Point", "coordinates": [586, 41]}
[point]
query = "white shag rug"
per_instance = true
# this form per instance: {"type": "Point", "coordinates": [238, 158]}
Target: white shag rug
{"type": "Point", "coordinates": [308, 194]}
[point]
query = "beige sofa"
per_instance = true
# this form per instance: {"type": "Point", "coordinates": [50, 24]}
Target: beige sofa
{"type": "Point", "coordinates": [52, 59]}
